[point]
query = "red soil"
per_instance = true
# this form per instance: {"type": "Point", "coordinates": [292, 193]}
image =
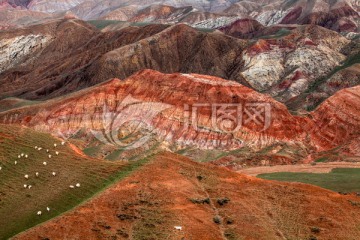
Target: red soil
{"type": "Point", "coordinates": [158, 197]}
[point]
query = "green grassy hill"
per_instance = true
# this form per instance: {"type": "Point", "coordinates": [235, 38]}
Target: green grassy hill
{"type": "Point", "coordinates": [19, 205]}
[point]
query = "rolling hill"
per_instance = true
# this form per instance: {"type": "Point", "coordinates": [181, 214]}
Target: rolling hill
{"type": "Point", "coordinates": [208, 203]}
{"type": "Point", "coordinates": [51, 187]}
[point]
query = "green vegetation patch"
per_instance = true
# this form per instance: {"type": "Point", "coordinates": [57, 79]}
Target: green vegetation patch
{"type": "Point", "coordinates": [19, 204]}
{"type": "Point", "coordinates": [339, 179]}
{"type": "Point", "coordinates": [101, 24]}
{"type": "Point", "coordinates": [281, 33]}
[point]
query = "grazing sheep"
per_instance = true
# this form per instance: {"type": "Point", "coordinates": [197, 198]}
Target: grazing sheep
{"type": "Point", "coordinates": [54, 174]}
{"type": "Point", "coordinates": [25, 185]}
{"type": "Point", "coordinates": [36, 147]}
{"type": "Point", "coordinates": [39, 149]}
{"type": "Point", "coordinates": [77, 185]}
{"type": "Point", "coordinates": [26, 156]}
{"type": "Point", "coordinates": [36, 174]}
{"type": "Point", "coordinates": [19, 156]}
{"type": "Point", "coordinates": [71, 186]}
{"type": "Point", "coordinates": [15, 162]}
{"type": "Point", "coordinates": [29, 187]}
{"type": "Point", "coordinates": [47, 150]}
{"type": "Point", "coordinates": [63, 143]}
{"type": "Point", "coordinates": [178, 228]}
{"type": "Point", "coordinates": [55, 145]}
{"type": "Point", "coordinates": [49, 155]}
{"type": "Point", "coordinates": [39, 213]}
{"type": "Point", "coordinates": [0, 168]}
{"type": "Point", "coordinates": [44, 163]}
{"type": "Point", "coordinates": [48, 209]}
{"type": "Point", "coordinates": [57, 153]}
{"type": "Point", "coordinates": [26, 176]}
{"type": "Point", "coordinates": [22, 154]}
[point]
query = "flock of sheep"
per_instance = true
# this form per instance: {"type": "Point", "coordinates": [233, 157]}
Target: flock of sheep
{"type": "Point", "coordinates": [27, 176]}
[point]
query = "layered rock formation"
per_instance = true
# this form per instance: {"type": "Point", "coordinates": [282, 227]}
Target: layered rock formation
{"type": "Point", "coordinates": [287, 64]}
{"type": "Point", "coordinates": [182, 111]}
{"type": "Point", "coordinates": [338, 15]}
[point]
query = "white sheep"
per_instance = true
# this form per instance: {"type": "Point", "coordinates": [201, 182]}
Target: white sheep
{"type": "Point", "coordinates": [57, 153]}
{"type": "Point", "coordinates": [26, 156]}
{"type": "Point", "coordinates": [47, 150]}
{"type": "Point", "coordinates": [19, 156]}
{"type": "Point", "coordinates": [54, 174]}
{"type": "Point", "coordinates": [25, 185]}
{"type": "Point", "coordinates": [39, 213]}
{"type": "Point", "coordinates": [44, 163]}
{"type": "Point", "coordinates": [36, 174]}
{"type": "Point", "coordinates": [63, 143]}
{"type": "Point", "coordinates": [55, 145]}
{"type": "Point", "coordinates": [48, 209]}
{"type": "Point", "coordinates": [77, 185]}
{"type": "Point", "coordinates": [15, 162]}
{"type": "Point", "coordinates": [0, 168]}
{"type": "Point", "coordinates": [26, 176]}
{"type": "Point", "coordinates": [36, 147]}
{"type": "Point", "coordinates": [29, 187]}
{"type": "Point", "coordinates": [22, 154]}
{"type": "Point", "coordinates": [39, 149]}
{"type": "Point", "coordinates": [178, 228]}
{"type": "Point", "coordinates": [71, 186]}
{"type": "Point", "coordinates": [49, 155]}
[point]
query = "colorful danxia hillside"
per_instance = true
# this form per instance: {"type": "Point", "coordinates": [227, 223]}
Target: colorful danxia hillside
{"type": "Point", "coordinates": [181, 120]}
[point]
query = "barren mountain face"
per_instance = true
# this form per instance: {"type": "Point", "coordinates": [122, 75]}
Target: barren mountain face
{"type": "Point", "coordinates": [338, 15]}
{"type": "Point", "coordinates": [289, 64]}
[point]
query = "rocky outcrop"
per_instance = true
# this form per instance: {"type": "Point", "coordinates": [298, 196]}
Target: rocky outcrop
{"type": "Point", "coordinates": [16, 50]}
{"type": "Point", "coordinates": [286, 66]}
{"type": "Point", "coordinates": [340, 15]}
{"type": "Point", "coordinates": [344, 77]}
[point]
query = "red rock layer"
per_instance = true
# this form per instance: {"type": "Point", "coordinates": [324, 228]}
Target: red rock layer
{"type": "Point", "coordinates": [175, 90]}
{"type": "Point", "coordinates": [334, 123]}
{"type": "Point", "coordinates": [243, 28]}
{"type": "Point", "coordinates": [337, 120]}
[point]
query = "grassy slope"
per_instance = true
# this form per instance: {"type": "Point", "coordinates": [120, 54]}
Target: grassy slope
{"type": "Point", "coordinates": [18, 206]}
{"type": "Point", "coordinates": [101, 24]}
{"type": "Point", "coordinates": [339, 179]}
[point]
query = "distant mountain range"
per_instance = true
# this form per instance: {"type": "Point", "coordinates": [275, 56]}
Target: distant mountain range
{"type": "Point", "coordinates": [338, 15]}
